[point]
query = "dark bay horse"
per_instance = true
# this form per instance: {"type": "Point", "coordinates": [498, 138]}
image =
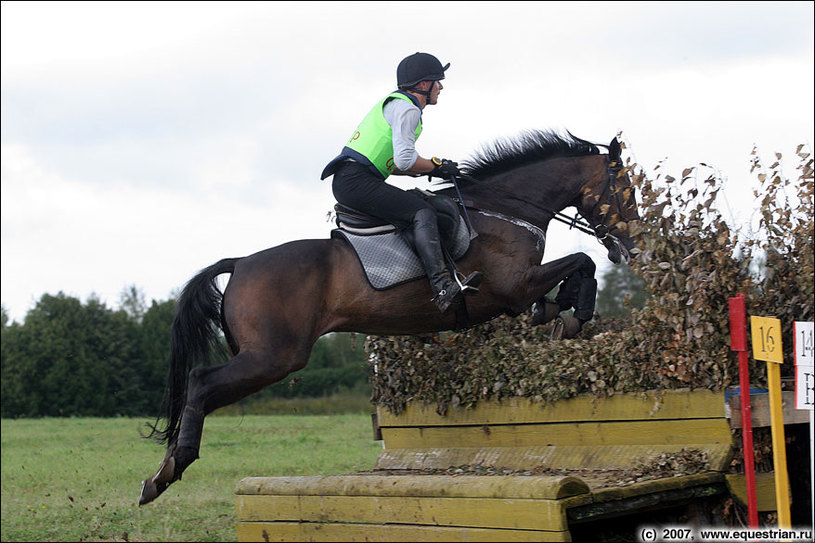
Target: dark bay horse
{"type": "Point", "coordinates": [279, 301]}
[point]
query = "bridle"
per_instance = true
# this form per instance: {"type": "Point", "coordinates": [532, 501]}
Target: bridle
{"type": "Point", "coordinates": [602, 230]}
{"type": "Point", "coordinates": [580, 221]}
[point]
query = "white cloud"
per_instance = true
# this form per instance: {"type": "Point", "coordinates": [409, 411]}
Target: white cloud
{"type": "Point", "coordinates": [62, 235]}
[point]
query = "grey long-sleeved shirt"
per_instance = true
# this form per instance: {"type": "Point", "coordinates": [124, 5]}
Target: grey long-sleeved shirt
{"type": "Point", "coordinates": [403, 117]}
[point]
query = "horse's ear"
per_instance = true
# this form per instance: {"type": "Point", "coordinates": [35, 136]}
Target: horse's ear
{"type": "Point", "coordinates": [614, 149]}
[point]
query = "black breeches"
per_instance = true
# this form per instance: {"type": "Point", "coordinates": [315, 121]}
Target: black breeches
{"type": "Point", "coordinates": [355, 186]}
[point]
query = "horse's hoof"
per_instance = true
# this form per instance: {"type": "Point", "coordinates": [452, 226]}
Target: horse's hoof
{"type": "Point", "coordinates": [566, 327]}
{"type": "Point", "coordinates": [149, 491]}
{"type": "Point", "coordinates": [571, 326]}
{"type": "Point", "coordinates": [548, 313]}
{"type": "Point", "coordinates": [153, 487]}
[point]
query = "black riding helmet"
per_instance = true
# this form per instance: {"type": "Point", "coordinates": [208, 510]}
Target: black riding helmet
{"type": "Point", "coordinates": [419, 67]}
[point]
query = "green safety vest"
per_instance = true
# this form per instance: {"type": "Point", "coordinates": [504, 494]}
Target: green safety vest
{"type": "Point", "coordinates": [373, 138]}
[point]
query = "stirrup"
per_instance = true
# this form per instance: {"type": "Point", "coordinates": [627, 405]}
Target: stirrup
{"type": "Point", "coordinates": [469, 284]}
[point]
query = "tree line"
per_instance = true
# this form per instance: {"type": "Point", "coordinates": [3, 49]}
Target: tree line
{"type": "Point", "coordinates": [69, 358]}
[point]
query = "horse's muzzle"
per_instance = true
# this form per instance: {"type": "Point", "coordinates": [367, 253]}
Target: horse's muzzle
{"type": "Point", "coordinates": [617, 250]}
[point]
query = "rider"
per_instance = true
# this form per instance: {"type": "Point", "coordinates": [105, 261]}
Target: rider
{"type": "Point", "coordinates": [384, 143]}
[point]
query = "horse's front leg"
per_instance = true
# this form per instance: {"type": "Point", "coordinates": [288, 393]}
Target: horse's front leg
{"type": "Point", "coordinates": [578, 290]}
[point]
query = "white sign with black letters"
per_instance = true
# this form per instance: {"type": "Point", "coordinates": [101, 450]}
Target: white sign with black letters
{"type": "Point", "coordinates": [804, 342]}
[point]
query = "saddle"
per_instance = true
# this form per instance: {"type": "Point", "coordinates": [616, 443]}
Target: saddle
{"type": "Point", "coordinates": [359, 223]}
{"type": "Point", "coordinates": [386, 252]}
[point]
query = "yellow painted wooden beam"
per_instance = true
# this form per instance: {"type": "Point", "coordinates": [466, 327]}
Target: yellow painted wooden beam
{"type": "Point", "coordinates": [466, 486]}
{"type": "Point", "coordinates": [765, 490]}
{"type": "Point", "coordinates": [504, 513]}
{"type": "Point", "coordinates": [306, 531]}
{"type": "Point", "coordinates": [671, 404]}
{"type": "Point", "coordinates": [664, 432]}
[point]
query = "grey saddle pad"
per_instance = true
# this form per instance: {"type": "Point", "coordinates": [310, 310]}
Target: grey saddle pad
{"type": "Point", "coordinates": [389, 261]}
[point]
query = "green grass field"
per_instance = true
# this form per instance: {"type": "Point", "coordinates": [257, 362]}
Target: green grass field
{"type": "Point", "coordinates": [78, 479]}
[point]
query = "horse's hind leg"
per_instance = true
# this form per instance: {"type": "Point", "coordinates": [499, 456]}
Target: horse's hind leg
{"type": "Point", "coordinates": [211, 387]}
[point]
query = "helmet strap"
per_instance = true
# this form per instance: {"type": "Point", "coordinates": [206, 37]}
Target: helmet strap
{"type": "Point", "coordinates": [425, 93]}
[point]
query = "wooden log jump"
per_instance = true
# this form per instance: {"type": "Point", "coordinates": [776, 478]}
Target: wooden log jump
{"type": "Point", "coordinates": [405, 508]}
{"type": "Point", "coordinates": [596, 438]}
{"type": "Point", "coordinates": [577, 433]}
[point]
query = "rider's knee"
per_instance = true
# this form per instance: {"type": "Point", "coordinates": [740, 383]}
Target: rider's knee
{"type": "Point", "coordinates": [445, 206]}
{"type": "Point", "coordinates": [424, 215]}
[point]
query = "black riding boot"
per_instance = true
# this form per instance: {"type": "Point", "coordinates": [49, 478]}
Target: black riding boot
{"type": "Point", "coordinates": [446, 291]}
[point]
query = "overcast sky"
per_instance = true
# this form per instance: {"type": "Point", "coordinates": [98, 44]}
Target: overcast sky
{"type": "Point", "coordinates": [144, 141]}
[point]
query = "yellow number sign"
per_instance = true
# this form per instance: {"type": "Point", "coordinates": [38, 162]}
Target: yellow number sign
{"type": "Point", "coordinates": [766, 335]}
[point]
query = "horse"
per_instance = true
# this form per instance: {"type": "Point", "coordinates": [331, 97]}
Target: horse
{"type": "Point", "coordinates": [279, 301]}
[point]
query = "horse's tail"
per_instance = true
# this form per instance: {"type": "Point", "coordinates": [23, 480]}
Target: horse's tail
{"type": "Point", "coordinates": [195, 339]}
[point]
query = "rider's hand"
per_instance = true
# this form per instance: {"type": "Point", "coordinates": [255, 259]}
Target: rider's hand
{"type": "Point", "coordinates": [446, 169]}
